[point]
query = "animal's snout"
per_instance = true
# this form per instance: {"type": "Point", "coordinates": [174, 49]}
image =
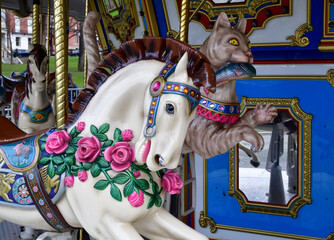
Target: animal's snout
{"type": "Point", "coordinates": [250, 56]}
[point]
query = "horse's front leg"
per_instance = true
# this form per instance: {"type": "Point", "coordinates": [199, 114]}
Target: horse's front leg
{"type": "Point", "coordinates": [112, 229]}
{"type": "Point", "coordinates": [162, 225]}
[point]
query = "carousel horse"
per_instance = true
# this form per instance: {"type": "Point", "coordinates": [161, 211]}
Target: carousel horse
{"type": "Point", "coordinates": [218, 126]}
{"type": "Point", "coordinates": [31, 108]}
{"type": "Point", "coordinates": [111, 154]}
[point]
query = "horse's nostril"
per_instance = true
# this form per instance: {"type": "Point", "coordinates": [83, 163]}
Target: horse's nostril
{"type": "Point", "coordinates": [156, 158]}
{"type": "Point", "coordinates": [159, 160]}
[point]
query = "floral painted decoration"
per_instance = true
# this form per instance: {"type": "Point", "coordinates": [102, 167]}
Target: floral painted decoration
{"type": "Point", "coordinates": [75, 156]}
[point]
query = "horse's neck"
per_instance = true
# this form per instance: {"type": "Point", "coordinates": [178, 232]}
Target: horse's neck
{"type": "Point", "coordinates": [38, 98]}
{"type": "Point", "coordinates": [119, 101]}
{"type": "Point", "coordinates": [225, 93]}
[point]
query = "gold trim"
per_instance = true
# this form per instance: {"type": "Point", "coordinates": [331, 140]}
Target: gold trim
{"type": "Point", "coordinates": [35, 24]}
{"type": "Point", "coordinates": [288, 77]}
{"type": "Point", "coordinates": [298, 40]}
{"type": "Point", "coordinates": [330, 237]}
{"type": "Point", "coordinates": [330, 77]}
{"type": "Point", "coordinates": [207, 221]}
{"type": "Point", "coordinates": [150, 17]}
{"type": "Point", "coordinates": [327, 48]}
{"type": "Point", "coordinates": [61, 45]}
{"type": "Point", "coordinates": [304, 195]}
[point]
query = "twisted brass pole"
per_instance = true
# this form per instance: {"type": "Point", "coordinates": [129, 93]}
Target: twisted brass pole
{"type": "Point", "coordinates": [184, 24]}
{"type": "Point", "coordinates": [85, 67]}
{"type": "Point", "coordinates": [48, 38]}
{"type": "Point", "coordinates": [35, 22]}
{"type": "Point", "coordinates": [61, 44]}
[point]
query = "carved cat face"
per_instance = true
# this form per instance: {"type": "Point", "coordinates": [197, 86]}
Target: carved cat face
{"type": "Point", "coordinates": [226, 44]}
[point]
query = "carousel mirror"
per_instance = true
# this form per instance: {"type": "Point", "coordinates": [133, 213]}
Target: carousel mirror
{"type": "Point", "coordinates": [277, 179]}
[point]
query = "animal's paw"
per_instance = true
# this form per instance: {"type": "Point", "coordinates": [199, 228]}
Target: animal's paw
{"type": "Point", "coordinates": [253, 137]}
{"type": "Point", "coordinates": [265, 114]}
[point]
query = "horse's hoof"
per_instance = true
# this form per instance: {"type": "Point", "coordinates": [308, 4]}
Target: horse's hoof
{"type": "Point", "coordinates": [254, 164]}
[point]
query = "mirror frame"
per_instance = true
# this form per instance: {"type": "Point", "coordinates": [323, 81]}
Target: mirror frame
{"type": "Point", "coordinates": [303, 195]}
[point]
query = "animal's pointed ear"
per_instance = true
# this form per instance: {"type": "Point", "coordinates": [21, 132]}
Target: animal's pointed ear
{"type": "Point", "coordinates": [181, 68]}
{"type": "Point", "coordinates": [241, 26]}
{"type": "Point", "coordinates": [222, 22]}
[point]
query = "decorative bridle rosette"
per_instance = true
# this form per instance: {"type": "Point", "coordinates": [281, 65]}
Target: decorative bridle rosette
{"type": "Point", "coordinates": [160, 86]}
{"type": "Point", "coordinates": [218, 112]}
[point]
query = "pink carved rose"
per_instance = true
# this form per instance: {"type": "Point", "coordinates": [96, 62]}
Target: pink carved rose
{"type": "Point", "coordinates": [89, 148]}
{"type": "Point", "coordinates": [135, 199]}
{"type": "Point", "coordinates": [136, 174]}
{"type": "Point", "coordinates": [120, 156]}
{"type": "Point", "coordinates": [127, 135]}
{"type": "Point", "coordinates": [171, 182]}
{"type": "Point", "coordinates": [69, 180]}
{"type": "Point", "coordinates": [57, 142]}
{"type": "Point", "coordinates": [81, 126]}
{"type": "Point", "coordinates": [82, 175]}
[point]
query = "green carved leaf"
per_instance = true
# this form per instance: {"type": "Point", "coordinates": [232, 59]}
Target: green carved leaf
{"type": "Point", "coordinates": [104, 128]}
{"type": "Point", "coordinates": [73, 132]}
{"type": "Point", "coordinates": [151, 202]}
{"type": "Point", "coordinates": [61, 169]}
{"type": "Point", "coordinates": [155, 188]}
{"type": "Point", "coordinates": [75, 140]}
{"type": "Point", "coordinates": [103, 163]}
{"type": "Point", "coordinates": [43, 147]}
{"type": "Point", "coordinates": [128, 189]}
{"type": "Point", "coordinates": [95, 170]}
{"type": "Point", "coordinates": [143, 184]}
{"type": "Point", "coordinates": [160, 173]}
{"type": "Point", "coordinates": [88, 166]}
{"type": "Point", "coordinates": [118, 135]}
{"type": "Point", "coordinates": [44, 160]}
{"type": "Point", "coordinates": [70, 159]}
{"type": "Point", "coordinates": [121, 178]}
{"type": "Point", "coordinates": [43, 139]}
{"type": "Point", "coordinates": [51, 170]}
{"type": "Point", "coordinates": [115, 192]}
{"type": "Point", "coordinates": [102, 137]}
{"type": "Point", "coordinates": [101, 184]}
{"type": "Point", "coordinates": [75, 168]}
{"type": "Point", "coordinates": [93, 130]}
{"type": "Point", "coordinates": [158, 201]}
{"type": "Point", "coordinates": [57, 160]}
{"type": "Point", "coordinates": [107, 143]}
{"type": "Point", "coordinates": [70, 149]}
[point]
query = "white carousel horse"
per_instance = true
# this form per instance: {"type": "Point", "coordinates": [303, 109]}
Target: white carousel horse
{"type": "Point", "coordinates": [153, 102]}
{"type": "Point", "coordinates": [35, 111]}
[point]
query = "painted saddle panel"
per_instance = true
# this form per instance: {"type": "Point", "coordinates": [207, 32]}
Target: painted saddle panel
{"type": "Point", "coordinates": [17, 158]}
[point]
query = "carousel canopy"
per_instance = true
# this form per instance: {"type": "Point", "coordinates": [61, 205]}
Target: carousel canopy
{"type": "Point", "coordinates": [25, 7]}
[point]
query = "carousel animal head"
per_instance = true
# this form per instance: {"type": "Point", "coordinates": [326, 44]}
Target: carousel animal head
{"type": "Point", "coordinates": [36, 66]}
{"type": "Point", "coordinates": [169, 73]}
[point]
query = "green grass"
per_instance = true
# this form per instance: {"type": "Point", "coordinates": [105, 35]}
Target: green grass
{"type": "Point", "coordinates": [7, 69]}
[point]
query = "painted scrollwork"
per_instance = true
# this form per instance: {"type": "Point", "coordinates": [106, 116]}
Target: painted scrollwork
{"type": "Point", "coordinates": [298, 39]}
{"type": "Point", "coordinates": [330, 77]}
{"type": "Point", "coordinates": [207, 221]}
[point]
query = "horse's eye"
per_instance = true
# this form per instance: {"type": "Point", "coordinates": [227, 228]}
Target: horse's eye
{"type": "Point", "coordinates": [170, 108]}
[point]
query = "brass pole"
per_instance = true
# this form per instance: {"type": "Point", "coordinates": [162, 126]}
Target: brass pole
{"type": "Point", "coordinates": [48, 36]}
{"type": "Point", "coordinates": [61, 54]}
{"type": "Point", "coordinates": [86, 66]}
{"type": "Point", "coordinates": [192, 15]}
{"type": "Point", "coordinates": [41, 22]}
{"type": "Point", "coordinates": [35, 22]}
{"type": "Point", "coordinates": [184, 24]}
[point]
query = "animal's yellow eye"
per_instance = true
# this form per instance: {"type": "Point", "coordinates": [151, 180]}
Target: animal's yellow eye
{"type": "Point", "coordinates": [249, 45]}
{"type": "Point", "coordinates": [234, 42]}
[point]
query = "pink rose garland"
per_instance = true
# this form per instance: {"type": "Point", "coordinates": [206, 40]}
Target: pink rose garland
{"type": "Point", "coordinates": [69, 180]}
{"type": "Point", "coordinates": [89, 149]}
{"type": "Point", "coordinates": [81, 126]}
{"type": "Point", "coordinates": [57, 142]}
{"type": "Point", "coordinates": [135, 199]}
{"type": "Point", "coordinates": [171, 182]}
{"type": "Point", "coordinates": [120, 156]}
{"type": "Point", "coordinates": [127, 135]}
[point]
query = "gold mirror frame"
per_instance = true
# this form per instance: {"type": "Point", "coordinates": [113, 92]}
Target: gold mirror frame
{"type": "Point", "coordinates": [303, 195]}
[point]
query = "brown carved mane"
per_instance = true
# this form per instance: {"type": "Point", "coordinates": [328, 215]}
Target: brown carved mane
{"type": "Point", "coordinates": [160, 49]}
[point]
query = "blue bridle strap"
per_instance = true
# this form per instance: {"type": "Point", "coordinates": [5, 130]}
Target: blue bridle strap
{"type": "Point", "coordinates": [160, 86]}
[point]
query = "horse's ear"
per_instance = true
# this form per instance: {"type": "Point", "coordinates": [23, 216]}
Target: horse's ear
{"type": "Point", "coordinates": [181, 68]}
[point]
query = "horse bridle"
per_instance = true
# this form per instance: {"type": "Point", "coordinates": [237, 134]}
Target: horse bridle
{"type": "Point", "coordinates": [160, 86]}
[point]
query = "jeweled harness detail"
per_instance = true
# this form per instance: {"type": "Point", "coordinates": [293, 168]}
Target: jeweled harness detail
{"type": "Point", "coordinates": [160, 86]}
{"type": "Point", "coordinates": [217, 111]}
{"type": "Point", "coordinates": [36, 116]}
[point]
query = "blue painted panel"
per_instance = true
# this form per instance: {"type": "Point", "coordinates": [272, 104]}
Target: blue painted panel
{"type": "Point", "coordinates": [314, 220]}
{"type": "Point", "coordinates": [161, 19]}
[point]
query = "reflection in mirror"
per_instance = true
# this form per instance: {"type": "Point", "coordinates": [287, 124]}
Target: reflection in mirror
{"type": "Point", "coordinates": [275, 179]}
